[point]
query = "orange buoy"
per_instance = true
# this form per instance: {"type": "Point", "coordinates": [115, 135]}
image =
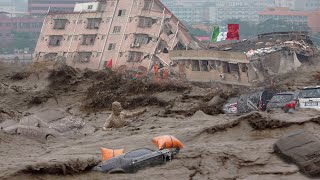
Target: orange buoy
{"type": "Point", "coordinates": [110, 153]}
{"type": "Point", "coordinates": [166, 142]}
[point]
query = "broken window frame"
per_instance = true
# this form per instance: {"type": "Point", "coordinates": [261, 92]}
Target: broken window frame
{"type": "Point", "coordinates": [142, 39]}
{"type": "Point", "coordinates": [116, 29]}
{"type": "Point", "coordinates": [50, 56]}
{"type": "Point", "coordinates": [225, 67]}
{"type": "Point", "coordinates": [55, 40]}
{"type": "Point", "coordinates": [162, 44]}
{"type": "Point", "coordinates": [134, 56]}
{"type": "Point", "coordinates": [83, 57]}
{"type": "Point", "coordinates": [204, 65]}
{"type": "Point", "coordinates": [93, 23]}
{"type": "Point", "coordinates": [60, 23]}
{"type": "Point", "coordinates": [244, 68]}
{"type": "Point", "coordinates": [234, 67]}
{"type": "Point", "coordinates": [195, 65]}
{"type": "Point", "coordinates": [146, 22]}
{"type": "Point", "coordinates": [89, 39]}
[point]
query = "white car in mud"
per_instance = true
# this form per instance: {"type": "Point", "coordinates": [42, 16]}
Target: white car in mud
{"type": "Point", "coordinates": [309, 98]}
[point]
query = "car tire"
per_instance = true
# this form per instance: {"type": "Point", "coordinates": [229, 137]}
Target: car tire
{"type": "Point", "coordinates": [49, 137]}
{"type": "Point", "coordinates": [116, 171]}
{"type": "Point", "coordinates": [286, 109]}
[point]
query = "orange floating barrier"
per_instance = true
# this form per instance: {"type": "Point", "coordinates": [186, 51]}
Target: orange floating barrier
{"type": "Point", "coordinates": [166, 142]}
{"type": "Point", "coordinates": [110, 153]}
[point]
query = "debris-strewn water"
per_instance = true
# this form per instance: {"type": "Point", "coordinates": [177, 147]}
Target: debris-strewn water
{"type": "Point", "coordinates": [216, 146]}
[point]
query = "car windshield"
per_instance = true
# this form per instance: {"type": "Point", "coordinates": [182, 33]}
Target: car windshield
{"type": "Point", "coordinates": [281, 98]}
{"type": "Point", "coordinates": [138, 153]}
{"type": "Point", "coordinates": [232, 100]}
{"type": "Point", "coordinates": [310, 93]}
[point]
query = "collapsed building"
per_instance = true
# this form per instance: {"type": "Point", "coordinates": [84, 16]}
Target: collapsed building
{"type": "Point", "coordinates": [248, 62]}
{"type": "Point", "coordinates": [133, 34]}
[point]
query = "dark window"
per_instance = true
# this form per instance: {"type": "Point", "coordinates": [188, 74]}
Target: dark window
{"type": "Point", "coordinates": [147, 4]}
{"type": "Point", "coordinates": [116, 29]}
{"type": "Point", "coordinates": [162, 45]}
{"type": "Point", "coordinates": [90, 6]}
{"type": "Point", "coordinates": [134, 56]}
{"type": "Point", "coordinates": [83, 57]}
{"type": "Point", "coordinates": [112, 46]}
{"type": "Point", "coordinates": [93, 23]}
{"type": "Point", "coordinates": [195, 65]}
{"type": "Point", "coordinates": [89, 39]}
{"type": "Point", "coordinates": [204, 65]}
{"type": "Point", "coordinates": [50, 56]}
{"type": "Point", "coordinates": [55, 40]}
{"type": "Point", "coordinates": [122, 12]}
{"type": "Point", "coordinates": [146, 22]}
{"type": "Point", "coordinates": [225, 67]}
{"type": "Point", "coordinates": [60, 23]}
{"type": "Point", "coordinates": [234, 67]}
{"type": "Point", "coordinates": [142, 39]}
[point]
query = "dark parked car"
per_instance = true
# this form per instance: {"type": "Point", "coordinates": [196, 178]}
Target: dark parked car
{"type": "Point", "coordinates": [285, 101]}
{"type": "Point", "coordinates": [132, 161]}
{"type": "Point", "coordinates": [303, 149]}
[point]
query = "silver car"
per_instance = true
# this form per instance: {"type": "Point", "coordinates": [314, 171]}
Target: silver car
{"type": "Point", "coordinates": [309, 98]}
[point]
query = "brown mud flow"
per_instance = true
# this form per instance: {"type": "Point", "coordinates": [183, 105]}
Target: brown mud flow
{"type": "Point", "coordinates": [217, 146]}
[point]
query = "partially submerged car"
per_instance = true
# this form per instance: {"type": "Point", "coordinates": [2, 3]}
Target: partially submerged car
{"type": "Point", "coordinates": [286, 101]}
{"type": "Point", "coordinates": [301, 148]}
{"type": "Point", "coordinates": [254, 101]}
{"type": "Point", "coordinates": [309, 97]}
{"type": "Point", "coordinates": [135, 160]}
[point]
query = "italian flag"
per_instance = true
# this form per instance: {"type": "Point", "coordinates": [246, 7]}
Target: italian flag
{"type": "Point", "coordinates": [231, 34]}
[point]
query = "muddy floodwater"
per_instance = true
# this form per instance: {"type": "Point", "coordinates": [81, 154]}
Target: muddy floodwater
{"type": "Point", "coordinates": [217, 146]}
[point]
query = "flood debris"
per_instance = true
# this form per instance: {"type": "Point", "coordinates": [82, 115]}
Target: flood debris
{"type": "Point", "coordinates": [301, 148]}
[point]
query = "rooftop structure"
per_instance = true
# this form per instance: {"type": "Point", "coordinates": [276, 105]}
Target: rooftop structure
{"type": "Point", "coordinates": [40, 7]}
{"type": "Point", "coordinates": [249, 62]}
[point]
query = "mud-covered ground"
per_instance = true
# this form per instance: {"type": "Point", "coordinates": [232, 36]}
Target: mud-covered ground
{"type": "Point", "coordinates": [217, 146]}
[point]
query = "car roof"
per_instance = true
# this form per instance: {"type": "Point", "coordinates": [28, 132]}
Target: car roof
{"type": "Point", "coordinates": [286, 93]}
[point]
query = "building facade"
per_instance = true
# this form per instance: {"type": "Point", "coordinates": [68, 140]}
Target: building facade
{"type": "Point", "coordinates": [11, 23]}
{"type": "Point", "coordinates": [133, 34]}
{"type": "Point", "coordinates": [13, 6]}
{"type": "Point", "coordinates": [303, 5]}
{"type": "Point", "coordinates": [301, 18]}
{"type": "Point", "coordinates": [213, 66]}
{"type": "Point", "coordinates": [40, 7]}
{"type": "Point", "coordinates": [253, 62]}
{"type": "Point", "coordinates": [239, 9]}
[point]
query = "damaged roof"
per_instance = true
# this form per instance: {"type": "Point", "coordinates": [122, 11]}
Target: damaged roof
{"type": "Point", "coordinates": [271, 42]}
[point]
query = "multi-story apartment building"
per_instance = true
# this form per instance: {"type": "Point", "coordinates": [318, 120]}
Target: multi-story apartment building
{"type": "Point", "coordinates": [40, 7]}
{"type": "Point", "coordinates": [299, 4]}
{"type": "Point", "coordinates": [301, 18]}
{"type": "Point", "coordinates": [190, 11]}
{"type": "Point", "coordinates": [11, 23]}
{"type": "Point", "coordinates": [13, 6]}
{"type": "Point", "coordinates": [239, 9]}
{"type": "Point", "coordinates": [131, 33]}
